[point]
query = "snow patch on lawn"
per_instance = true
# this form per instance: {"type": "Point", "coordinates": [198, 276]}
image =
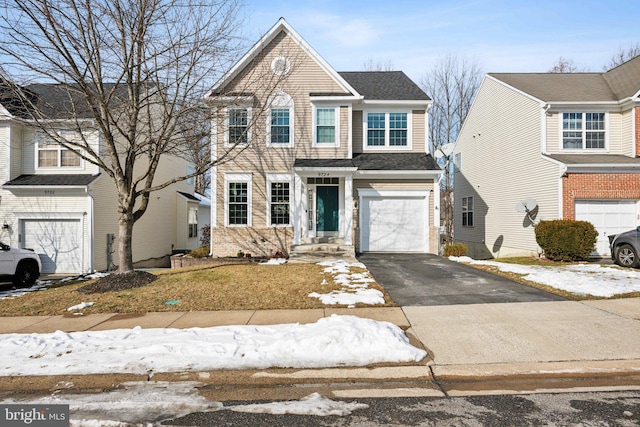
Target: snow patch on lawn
{"type": "Point", "coordinates": [581, 279]}
{"type": "Point", "coordinates": [354, 286]}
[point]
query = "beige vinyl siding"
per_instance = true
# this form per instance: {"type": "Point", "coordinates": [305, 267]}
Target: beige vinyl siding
{"type": "Point", "coordinates": [357, 131]}
{"type": "Point", "coordinates": [16, 152]}
{"type": "Point", "coordinates": [5, 134]}
{"type": "Point", "coordinates": [554, 133]}
{"type": "Point", "coordinates": [627, 132]}
{"type": "Point", "coordinates": [419, 138]}
{"type": "Point", "coordinates": [614, 134]}
{"type": "Point", "coordinates": [29, 157]}
{"type": "Point", "coordinates": [501, 164]}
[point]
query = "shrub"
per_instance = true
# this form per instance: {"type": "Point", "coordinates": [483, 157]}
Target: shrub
{"type": "Point", "coordinates": [201, 252]}
{"type": "Point", "coordinates": [566, 239]}
{"type": "Point", "coordinates": [455, 249]}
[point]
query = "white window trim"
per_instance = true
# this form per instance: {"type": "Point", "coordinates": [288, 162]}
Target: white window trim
{"type": "Point", "coordinates": [472, 210]}
{"type": "Point", "coordinates": [314, 135]}
{"type": "Point", "coordinates": [192, 207]}
{"type": "Point", "coordinates": [281, 101]}
{"type": "Point", "coordinates": [386, 146]}
{"type": "Point", "coordinates": [279, 177]}
{"type": "Point", "coordinates": [227, 144]}
{"type": "Point", "coordinates": [237, 177]}
{"type": "Point", "coordinates": [584, 139]}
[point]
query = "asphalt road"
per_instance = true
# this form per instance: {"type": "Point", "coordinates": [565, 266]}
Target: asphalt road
{"type": "Point", "coordinates": [426, 279]}
{"type": "Point", "coordinates": [600, 409]}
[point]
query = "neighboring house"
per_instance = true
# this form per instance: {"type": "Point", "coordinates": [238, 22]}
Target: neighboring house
{"type": "Point", "coordinates": [54, 202]}
{"type": "Point", "coordinates": [569, 141]}
{"type": "Point", "coordinates": [315, 156]}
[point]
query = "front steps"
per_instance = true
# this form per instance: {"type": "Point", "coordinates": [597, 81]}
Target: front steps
{"type": "Point", "coordinates": [314, 249]}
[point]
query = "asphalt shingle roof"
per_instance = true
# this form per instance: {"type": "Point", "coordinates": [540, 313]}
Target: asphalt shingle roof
{"type": "Point", "coordinates": [52, 180]}
{"type": "Point", "coordinates": [375, 161]}
{"type": "Point", "coordinates": [595, 159]}
{"type": "Point", "coordinates": [614, 85]}
{"type": "Point", "coordinates": [385, 85]}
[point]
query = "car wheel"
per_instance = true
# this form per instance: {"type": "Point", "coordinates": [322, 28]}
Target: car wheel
{"type": "Point", "coordinates": [26, 275]}
{"type": "Point", "coordinates": [626, 256]}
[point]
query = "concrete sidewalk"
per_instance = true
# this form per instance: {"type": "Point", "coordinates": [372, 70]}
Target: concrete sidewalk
{"type": "Point", "coordinates": [467, 344]}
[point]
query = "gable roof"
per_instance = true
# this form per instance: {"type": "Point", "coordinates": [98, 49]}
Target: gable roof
{"type": "Point", "coordinates": [615, 85]}
{"type": "Point", "coordinates": [385, 85]}
{"type": "Point", "coordinates": [281, 26]}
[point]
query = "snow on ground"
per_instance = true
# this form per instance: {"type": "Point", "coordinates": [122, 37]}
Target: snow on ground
{"type": "Point", "coordinates": [582, 279]}
{"type": "Point", "coordinates": [41, 285]}
{"type": "Point", "coordinates": [137, 401]}
{"type": "Point", "coordinates": [330, 342]}
{"type": "Point", "coordinates": [354, 286]}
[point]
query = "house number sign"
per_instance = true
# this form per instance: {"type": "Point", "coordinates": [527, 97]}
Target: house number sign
{"type": "Point", "coordinates": [324, 174]}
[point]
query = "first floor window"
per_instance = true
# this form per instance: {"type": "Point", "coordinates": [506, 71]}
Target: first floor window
{"type": "Point", "coordinates": [192, 220]}
{"type": "Point", "coordinates": [238, 126]}
{"type": "Point", "coordinates": [326, 126]}
{"type": "Point", "coordinates": [467, 211]}
{"type": "Point", "coordinates": [583, 131]}
{"type": "Point", "coordinates": [280, 192]}
{"type": "Point", "coordinates": [238, 198]}
{"type": "Point", "coordinates": [387, 130]}
{"type": "Point", "coordinates": [280, 129]}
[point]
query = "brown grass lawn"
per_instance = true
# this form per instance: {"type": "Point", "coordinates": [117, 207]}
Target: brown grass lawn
{"type": "Point", "coordinates": [230, 287]}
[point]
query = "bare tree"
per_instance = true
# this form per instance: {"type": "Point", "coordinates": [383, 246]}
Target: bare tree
{"type": "Point", "coordinates": [452, 84]}
{"type": "Point", "coordinates": [566, 65]}
{"type": "Point", "coordinates": [196, 128]}
{"type": "Point", "coordinates": [623, 55]}
{"type": "Point", "coordinates": [133, 70]}
{"type": "Point", "coordinates": [371, 65]}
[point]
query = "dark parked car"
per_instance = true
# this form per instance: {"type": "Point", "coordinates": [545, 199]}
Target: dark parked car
{"type": "Point", "coordinates": [625, 248]}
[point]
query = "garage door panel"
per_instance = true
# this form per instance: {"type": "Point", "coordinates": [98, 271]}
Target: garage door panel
{"type": "Point", "coordinates": [394, 224]}
{"type": "Point", "coordinates": [57, 242]}
{"type": "Point", "coordinates": [609, 217]}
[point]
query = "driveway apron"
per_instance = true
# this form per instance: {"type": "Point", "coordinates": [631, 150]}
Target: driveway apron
{"type": "Point", "coordinates": [414, 279]}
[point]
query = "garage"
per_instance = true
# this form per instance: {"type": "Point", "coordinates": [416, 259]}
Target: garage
{"type": "Point", "coordinates": [609, 217]}
{"type": "Point", "coordinates": [58, 243]}
{"type": "Point", "coordinates": [394, 221]}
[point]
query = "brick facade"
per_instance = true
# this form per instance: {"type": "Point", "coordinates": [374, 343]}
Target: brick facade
{"type": "Point", "coordinates": [258, 242]}
{"type": "Point", "coordinates": [637, 131]}
{"type": "Point", "coordinates": [597, 186]}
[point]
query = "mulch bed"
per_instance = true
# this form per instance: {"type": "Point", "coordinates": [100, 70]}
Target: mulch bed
{"type": "Point", "coordinates": [119, 282]}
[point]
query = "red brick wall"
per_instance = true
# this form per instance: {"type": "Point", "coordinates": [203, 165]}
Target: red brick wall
{"type": "Point", "coordinates": [597, 186]}
{"type": "Point", "coordinates": [637, 132]}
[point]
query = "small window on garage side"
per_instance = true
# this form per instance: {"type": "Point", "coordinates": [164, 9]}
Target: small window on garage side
{"type": "Point", "coordinates": [467, 211]}
{"type": "Point", "coordinates": [192, 219]}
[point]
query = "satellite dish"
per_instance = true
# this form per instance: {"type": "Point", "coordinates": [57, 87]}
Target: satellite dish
{"type": "Point", "coordinates": [444, 151]}
{"type": "Point", "coordinates": [526, 206]}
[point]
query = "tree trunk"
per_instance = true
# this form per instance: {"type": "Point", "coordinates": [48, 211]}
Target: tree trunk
{"type": "Point", "coordinates": [125, 251]}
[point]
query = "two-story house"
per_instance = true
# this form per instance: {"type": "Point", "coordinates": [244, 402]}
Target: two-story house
{"type": "Point", "coordinates": [63, 207]}
{"type": "Point", "coordinates": [311, 155]}
{"type": "Point", "coordinates": [563, 145]}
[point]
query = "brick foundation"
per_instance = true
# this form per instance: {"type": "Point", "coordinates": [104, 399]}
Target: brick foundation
{"type": "Point", "coordinates": [597, 186]}
{"type": "Point", "coordinates": [259, 242]}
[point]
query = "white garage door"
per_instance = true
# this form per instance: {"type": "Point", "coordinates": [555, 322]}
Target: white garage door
{"type": "Point", "coordinates": [394, 224]}
{"type": "Point", "coordinates": [57, 242]}
{"type": "Point", "coordinates": [608, 217]}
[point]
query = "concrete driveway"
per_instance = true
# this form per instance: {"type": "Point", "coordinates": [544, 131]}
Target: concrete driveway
{"type": "Point", "coordinates": [425, 280]}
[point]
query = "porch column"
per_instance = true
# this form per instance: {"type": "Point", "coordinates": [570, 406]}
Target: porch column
{"type": "Point", "coordinates": [298, 210]}
{"type": "Point", "coordinates": [348, 210]}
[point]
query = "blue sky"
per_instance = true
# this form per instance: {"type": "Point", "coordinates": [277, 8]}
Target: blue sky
{"type": "Point", "coordinates": [503, 36]}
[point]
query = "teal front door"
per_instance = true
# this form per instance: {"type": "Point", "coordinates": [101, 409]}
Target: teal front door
{"type": "Point", "coordinates": [327, 211]}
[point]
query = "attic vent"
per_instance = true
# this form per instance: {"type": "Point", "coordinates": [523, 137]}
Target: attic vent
{"type": "Point", "coordinates": [280, 65]}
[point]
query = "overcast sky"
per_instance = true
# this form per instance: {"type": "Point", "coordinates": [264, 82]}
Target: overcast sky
{"type": "Point", "coordinates": [503, 36]}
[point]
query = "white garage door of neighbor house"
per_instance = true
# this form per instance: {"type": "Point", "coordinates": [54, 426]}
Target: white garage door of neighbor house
{"type": "Point", "coordinates": [57, 242]}
{"type": "Point", "coordinates": [394, 224]}
{"type": "Point", "coordinates": [608, 217]}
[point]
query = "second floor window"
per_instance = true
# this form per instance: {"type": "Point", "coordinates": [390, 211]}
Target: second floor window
{"type": "Point", "coordinates": [467, 211]}
{"type": "Point", "coordinates": [583, 131]}
{"type": "Point", "coordinates": [53, 155]}
{"type": "Point", "coordinates": [387, 130]}
{"type": "Point", "coordinates": [280, 126]}
{"type": "Point", "coordinates": [326, 126]}
{"type": "Point", "coordinates": [238, 126]}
